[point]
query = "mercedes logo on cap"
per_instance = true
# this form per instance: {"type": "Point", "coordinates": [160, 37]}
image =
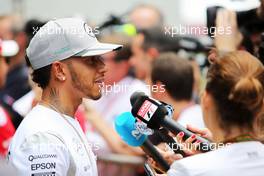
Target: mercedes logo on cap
{"type": "Point", "coordinates": [88, 30]}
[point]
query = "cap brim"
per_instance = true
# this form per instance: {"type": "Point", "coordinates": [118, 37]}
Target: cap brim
{"type": "Point", "coordinates": [99, 49]}
{"type": "Point", "coordinates": [9, 48]}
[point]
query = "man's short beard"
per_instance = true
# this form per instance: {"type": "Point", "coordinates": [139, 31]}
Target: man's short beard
{"type": "Point", "coordinates": [97, 97]}
{"type": "Point", "coordinates": [77, 84]}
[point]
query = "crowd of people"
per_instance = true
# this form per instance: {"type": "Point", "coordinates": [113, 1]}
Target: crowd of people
{"type": "Point", "coordinates": [60, 94]}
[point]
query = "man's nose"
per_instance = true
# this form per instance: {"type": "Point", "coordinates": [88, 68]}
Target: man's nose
{"type": "Point", "coordinates": [102, 69]}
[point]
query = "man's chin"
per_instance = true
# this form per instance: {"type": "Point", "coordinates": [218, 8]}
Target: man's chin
{"type": "Point", "coordinates": [96, 97]}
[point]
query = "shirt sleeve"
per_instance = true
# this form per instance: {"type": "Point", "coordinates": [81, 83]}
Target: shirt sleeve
{"type": "Point", "coordinates": [40, 154]}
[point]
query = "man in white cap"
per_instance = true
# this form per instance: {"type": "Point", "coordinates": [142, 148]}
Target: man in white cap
{"type": "Point", "coordinates": [65, 57]}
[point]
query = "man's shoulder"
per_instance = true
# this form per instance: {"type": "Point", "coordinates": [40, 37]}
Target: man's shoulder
{"type": "Point", "coordinates": [193, 109]}
{"type": "Point", "coordinates": [192, 115]}
{"type": "Point", "coordinates": [38, 120]}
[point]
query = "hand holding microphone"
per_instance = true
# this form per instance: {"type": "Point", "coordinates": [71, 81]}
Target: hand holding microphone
{"type": "Point", "coordinates": [162, 133]}
{"type": "Point", "coordinates": [155, 114]}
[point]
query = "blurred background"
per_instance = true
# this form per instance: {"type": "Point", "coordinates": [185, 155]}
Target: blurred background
{"type": "Point", "coordinates": [174, 11]}
{"type": "Point", "coordinates": [146, 29]}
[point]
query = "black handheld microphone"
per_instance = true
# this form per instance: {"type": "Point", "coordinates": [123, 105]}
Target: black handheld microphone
{"type": "Point", "coordinates": [161, 133]}
{"type": "Point", "coordinates": [164, 135]}
{"type": "Point", "coordinates": [155, 115]}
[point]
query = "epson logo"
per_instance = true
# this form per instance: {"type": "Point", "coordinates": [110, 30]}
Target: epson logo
{"type": "Point", "coordinates": [43, 166]}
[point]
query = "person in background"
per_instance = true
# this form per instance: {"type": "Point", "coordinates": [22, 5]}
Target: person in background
{"type": "Point", "coordinates": [146, 47]}
{"type": "Point", "coordinates": [146, 16]}
{"type": "Point", "coordinates": [25, 103]}
{"type": "Point", "coordinates": [175, 76]}
{"type": "Point", "coordinates": [17, 78]}
{"type": "Point", "coordinates": [7, 48]}
{"type": "Point", "coordinates": [232, 104]}
{"type": "Point", "coordinates": [5, 27]}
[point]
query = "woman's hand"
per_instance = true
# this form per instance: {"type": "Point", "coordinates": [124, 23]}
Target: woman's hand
{"type": "Point", "coordinates": [190, 145]}
{"type": "Point", "coordinates": [168, 155]}
{"type": "Point", "coordinates": [205, 132]}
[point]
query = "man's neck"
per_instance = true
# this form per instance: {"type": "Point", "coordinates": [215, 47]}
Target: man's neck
{"type": "Point", "coordinates": [60, 100]}
{"type": "Point", "coordinates": [179, 106]}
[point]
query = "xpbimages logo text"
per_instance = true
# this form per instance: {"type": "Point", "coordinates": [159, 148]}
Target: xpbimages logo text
{"type": "Point", "coordinates": [176, 30]}
{"type": "Point", "coordinates": [124, 88]}
{"type": "Point", "coordinates": [80, 32]}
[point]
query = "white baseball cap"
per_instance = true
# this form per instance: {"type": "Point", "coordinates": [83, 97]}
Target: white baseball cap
{"type": "Point", "coordinates": [63, 38]}
{"type": "Point", "coordinates": [8, 48]}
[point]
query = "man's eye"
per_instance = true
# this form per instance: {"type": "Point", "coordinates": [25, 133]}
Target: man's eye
{"type": "Point", "coordinates": [94, 61]}
{"type": "Point", "coordinates": [89, 61]}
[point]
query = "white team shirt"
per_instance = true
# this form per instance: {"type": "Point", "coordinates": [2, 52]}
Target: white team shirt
{"type": "Point", "coordinates": [46, 144]}
{"type": "Point", "coordinates": [243, 159]}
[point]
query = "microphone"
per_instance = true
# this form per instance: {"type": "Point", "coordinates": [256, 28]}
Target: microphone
{"type": "Point", "coordinates": [162, 133]}
{"type": "Point", "coordinates": [134, 97]}
{"type": "Point", "coordinates": [155, 115]}
{"type": "Point", "coordinates": [125, 127]}
{"type": "Point", "coordinates": [175, 147]}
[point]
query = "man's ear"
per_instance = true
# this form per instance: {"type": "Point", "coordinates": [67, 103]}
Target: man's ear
{"type": "Point", "coordinates": [58, 68]}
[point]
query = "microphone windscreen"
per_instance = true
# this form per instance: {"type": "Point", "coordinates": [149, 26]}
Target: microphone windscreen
{"type": "Point", "coordinates": [125, 127]}
{"type": "Point", "coordinates": [135, 96]}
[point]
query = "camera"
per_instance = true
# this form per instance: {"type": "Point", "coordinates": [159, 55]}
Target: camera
{"type": "Point", "coordinates": [247, 21]}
